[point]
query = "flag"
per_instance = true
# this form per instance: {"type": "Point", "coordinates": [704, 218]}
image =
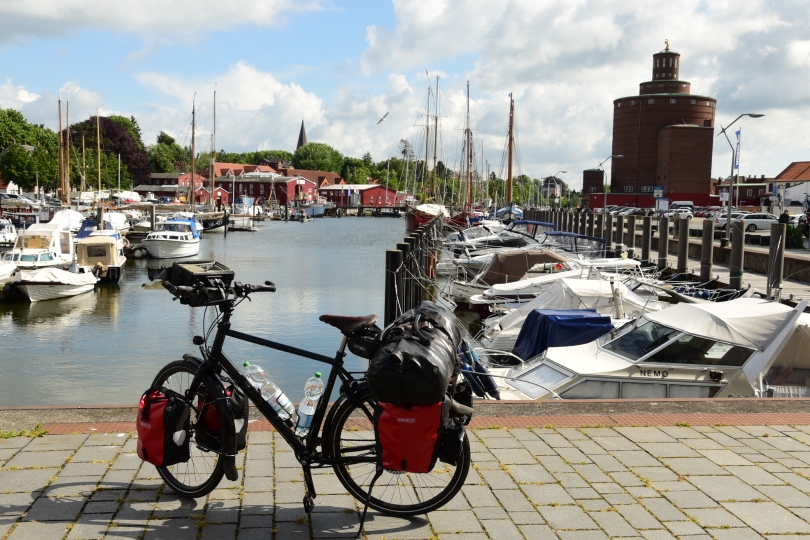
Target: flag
{"type": "Point", "coordinates": [737, 154]}
{"type": "Point", "coordinates": [510, 95]}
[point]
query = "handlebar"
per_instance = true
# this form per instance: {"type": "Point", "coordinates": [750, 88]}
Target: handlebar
{"type": "Point", "coordinates": [239, 290]}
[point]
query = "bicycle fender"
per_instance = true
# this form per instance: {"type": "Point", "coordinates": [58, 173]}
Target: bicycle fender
{"type": "Point", "coordinates": [194, 359]}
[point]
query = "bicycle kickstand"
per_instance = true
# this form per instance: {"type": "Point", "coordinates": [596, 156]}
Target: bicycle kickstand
{"type": "Point", "coordinates": [368, 499]}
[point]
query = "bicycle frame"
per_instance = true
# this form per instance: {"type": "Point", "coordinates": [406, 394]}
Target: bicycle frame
{"type": "Point", "coordinates": [305, 451]}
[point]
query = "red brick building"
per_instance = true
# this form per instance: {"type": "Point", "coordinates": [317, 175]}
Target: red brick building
{"type": "Point", "coordinates": [366, 195]}
{"type": "Point", "coordinates": [665, 136]}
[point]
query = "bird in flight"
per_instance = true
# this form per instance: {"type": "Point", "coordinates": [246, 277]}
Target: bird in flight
{"type": "Point", "coordinates": [381, 119]}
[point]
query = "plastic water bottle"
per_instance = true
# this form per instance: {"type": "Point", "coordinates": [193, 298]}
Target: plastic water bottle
{"type": "Point", "coordinates": [270, 391]}
{"type": "Point", "coordinates": [313, 391]}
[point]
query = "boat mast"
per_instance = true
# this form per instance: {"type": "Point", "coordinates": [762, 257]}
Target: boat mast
{"type": "Point", "coordinates": [468, 204]}
{"type": "Point", "coordinates": [193, 127]}
{"type": "Point", "coordinates": [61, 154]}
{"type": "Point", "coordinates": [511, 147]}
{"type": "Point", "coordinates": [435, 136]}
{"type": "Point", "coordinates": [67, 152]}
{"type": "Point", "coordinates": [426, 190]}
{"type": "Point", "coordinates": [98, 155]}
{"type": "Point", "coordinates": [84, 170]}
{"type": "Point", "coordinates": [213, 151]}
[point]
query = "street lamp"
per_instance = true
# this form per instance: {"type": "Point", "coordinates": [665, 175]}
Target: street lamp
{"type": "Point", "coordinates": [555, 182]}
{"type": "Point", "coordinates": [731, 176]}
{"type": "Point", "coordinates": [604, 186]}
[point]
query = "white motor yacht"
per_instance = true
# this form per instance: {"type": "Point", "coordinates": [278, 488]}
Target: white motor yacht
{"type": "Point", "coordinates": [740, 348]}
{"type": "Point", "coordinates": [173, 238]}
{"type": "Point", "coordinates": [101, 254]}
{"type": "Point", "coordinates": [43, 245]}
{"type": "Point", "coordinates": [8, 233]}
{"type": "Point", "coordinates": [52, 283]}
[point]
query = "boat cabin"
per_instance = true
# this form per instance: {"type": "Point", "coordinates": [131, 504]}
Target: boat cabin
{"type": "Point", "coordinates": [174, 230]}
{"type": "Point", "coordinates": [100, 253]}
{"type": "Point", "coordinates": [686, 351]}
{"type": "Point", "coordinates": [43, 244]}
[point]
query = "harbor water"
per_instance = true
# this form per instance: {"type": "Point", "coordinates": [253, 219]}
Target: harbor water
{"type": "Point", "coordinates": [105, 347]}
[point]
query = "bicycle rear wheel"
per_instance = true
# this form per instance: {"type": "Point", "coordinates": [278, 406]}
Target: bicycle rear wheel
{"type": "Point", "coordinates": [395, 493]}
{"type": "Point", "coordinates": [204, 470]}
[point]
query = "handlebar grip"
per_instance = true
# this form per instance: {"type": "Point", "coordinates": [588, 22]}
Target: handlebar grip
{"type": "Point", "coordinates": [270, 286]}
{"type": "Point", "coordinates": [176, 290]}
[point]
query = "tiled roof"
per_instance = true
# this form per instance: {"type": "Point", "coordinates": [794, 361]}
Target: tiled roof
{"type": "Point", "coordinates": [238, 169]}
{"type": "Point", "coordinates": [796, 171]}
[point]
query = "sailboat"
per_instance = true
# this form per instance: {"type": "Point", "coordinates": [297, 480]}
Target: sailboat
{"type": "Point", "coordinates": [213, 220]}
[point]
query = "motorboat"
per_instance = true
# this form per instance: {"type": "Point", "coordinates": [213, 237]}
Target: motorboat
{"type": "Point", "coordinates": [8, 233]}
{"type": "Point", "coordinates": [606, 297]}
{"type": "Point", "coordinates": [190, 216]}
{"type": "Point", "coordinates": [101, 253]}
{"type": "Point", "coordinates": [7, 266]}
{"type": "Point", "coordinates": [173, 238]}
{"type": "Point", "coordinates": [420, 215]}
{"type": "Point", "coordinates": [52, 283]}
{"type": "Point", "coordinates": [213, 221]}
{"type": "Point", "coordinates": [740, 348]}
{"type": "Point", "coordinates": [68, 219]}
{"type": "Point", "coordinates": [43, 245]}
{"type": "Point", "coordinates": [517, 234]}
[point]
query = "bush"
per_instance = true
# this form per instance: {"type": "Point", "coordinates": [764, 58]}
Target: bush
{"type": "Point", "coordinates": [794, 238]}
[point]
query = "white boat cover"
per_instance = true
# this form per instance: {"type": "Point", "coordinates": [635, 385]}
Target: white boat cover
{"type": "Point", "coordinates": [433, 209]}
{"type": "Point", "coordinates": [748, 322]}
{"type": "Point", "coordinates": [68, 219]}
{"type": "Point", "coordinates": [54, 275]}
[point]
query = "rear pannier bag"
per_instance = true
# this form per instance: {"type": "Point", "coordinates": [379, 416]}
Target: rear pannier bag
{"type": "Point", "coordinates": [208, 431]}
{"type": "Point", "coordinates": [416, 359]}
{"type": "Point", "coordinates": [163, 427]}
{"type": "Point", "coordinates": [408, 436]}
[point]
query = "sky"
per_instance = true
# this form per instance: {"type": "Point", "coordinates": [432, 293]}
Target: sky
{"type": "Point", "coordinates": [341, 65]}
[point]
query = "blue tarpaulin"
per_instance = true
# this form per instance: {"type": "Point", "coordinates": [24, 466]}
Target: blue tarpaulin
{"type": "Point", "coordinates": [546, 328]}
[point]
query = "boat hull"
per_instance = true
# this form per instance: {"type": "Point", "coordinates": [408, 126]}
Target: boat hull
{"type": "Point", "coordinates": [38, 292]}
{"type": "Point", "coordinates": [171, 249]}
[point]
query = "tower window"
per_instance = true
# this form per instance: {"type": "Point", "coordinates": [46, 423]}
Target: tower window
{"type": "Point", "coordinates": [593, 190]}
{"type": "Point", "coordinates": [650, 101]}
{"type": "Point", "coordinates": [646, 189]}
{"type": "Point", "coordinates": [670, 62]}
{"type": "Point", "coordinates": [676, 63]}
{"type": "Point", "coordinates": [673, 101]}
{"type": "Point", "coordinates": [628, 189]}
{"type": "Point", "coordinates": [632, 103]}
{"type": "Point", "coordinates": [708, 104]}
{"type": "Point", "coordinates": [694, 101]}
{"type": "Point", "coordinates": [618, 104]}
{"type": "Point", "coordinates": [656, 62]}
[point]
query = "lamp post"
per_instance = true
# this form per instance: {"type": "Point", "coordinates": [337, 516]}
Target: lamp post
{"type": "Point", "coordinates": [604, 187]}
{"type": "Point", "coordinates": [731, 177]}
{"type": "Point", "coordinates": [555, 186]}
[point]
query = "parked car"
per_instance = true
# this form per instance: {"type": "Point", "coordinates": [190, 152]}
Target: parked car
{"type": "Point", "coordinates": [683, 213]}
{"type": "Point", "coordinates": [754, 222]}
{"type": "Point", "coordinates": [721, 218]}
{"type": "Point", "coordinates": [800, 222]}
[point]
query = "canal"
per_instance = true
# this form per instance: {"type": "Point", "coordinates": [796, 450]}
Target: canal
{"type": "Point", "coordinates": [105, 347]}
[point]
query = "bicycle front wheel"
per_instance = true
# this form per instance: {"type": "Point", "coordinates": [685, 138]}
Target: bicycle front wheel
{"type": "Point", "coordinates": [395, 493]}
{"type": "Point", "coordinates": [199, 475]}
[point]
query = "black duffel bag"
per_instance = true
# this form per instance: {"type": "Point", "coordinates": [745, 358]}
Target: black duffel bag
{"type": "Point", "coordinates": [416, 358]}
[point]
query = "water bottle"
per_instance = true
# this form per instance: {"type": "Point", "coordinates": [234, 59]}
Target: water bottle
{"type": "Point", "coordinates": [270, 391]}
{"type": "Point", "coordinates": [306, 410]}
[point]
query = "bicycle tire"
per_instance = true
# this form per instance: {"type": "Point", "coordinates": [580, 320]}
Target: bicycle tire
{"type": "Point", "coordinates": [204, 470]}
{"type": "Point", "coordinates": [400, 494]}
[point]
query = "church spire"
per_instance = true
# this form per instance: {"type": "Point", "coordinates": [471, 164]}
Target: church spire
{"type": "Point", "coordinates": [302, 137]}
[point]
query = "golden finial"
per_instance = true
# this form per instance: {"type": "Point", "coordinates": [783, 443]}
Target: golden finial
{"type": "Point", "coordinates": [666, 41]}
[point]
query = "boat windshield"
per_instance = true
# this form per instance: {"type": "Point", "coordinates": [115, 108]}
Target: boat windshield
{"type": "Point", "coordinates": [174, 227]}
{"type": "Point", "coordinates": [689, 349]}
{"type": "Point", "coordinates": [477, 232]}
{"type": "Point", "coordinates": [633, 342]}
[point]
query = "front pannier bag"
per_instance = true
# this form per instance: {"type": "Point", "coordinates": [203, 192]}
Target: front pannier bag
{"type": "Point", "coordinates": [417, 357]}
{"type": "Point", "coordinates": [163, 427]}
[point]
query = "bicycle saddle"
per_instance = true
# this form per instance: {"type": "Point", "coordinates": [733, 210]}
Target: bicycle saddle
{"type": "Point", "coordinates": [349, 325]}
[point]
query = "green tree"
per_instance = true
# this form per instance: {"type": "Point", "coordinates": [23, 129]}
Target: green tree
{"type": "Point", "coordinates": [318, 157]}
{"type": "Point", "coordinates": [406, 149]}
{"type": "Point", "coordinates": [272, 154]}
{"type": "Point", "coordinates": [161, 159]}
{"type": "Point", "coordinates": [165, 138]}
{"type": "Point", "coordinates": [367, 159]}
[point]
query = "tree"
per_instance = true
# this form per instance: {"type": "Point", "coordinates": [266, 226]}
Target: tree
{"type": "Point", "coordinates": [165, 138]}
{"type": "Point", "coordinates": [406, 149]}
{"type": "Point", "coordinates": [367, 159]}
{"type": "Point", "coordinates": [272, 154]}
{"type": "Point", "coordinates": [132, 127]}
{"type": "Point", "coordinates": [115, 139]}
{"type": "Point", "coordinates": [318, 157]}
{"type": "Point", "coordinates": [161, 158]}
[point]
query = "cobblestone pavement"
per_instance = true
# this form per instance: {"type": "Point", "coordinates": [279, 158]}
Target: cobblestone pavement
{"type": "Point", "coordinates": [719, 482]}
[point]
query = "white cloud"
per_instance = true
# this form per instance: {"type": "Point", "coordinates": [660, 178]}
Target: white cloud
{"type": "Point", "coordinates": [15, 97]}
{"type": "Point", "coordinates": [154, 19]}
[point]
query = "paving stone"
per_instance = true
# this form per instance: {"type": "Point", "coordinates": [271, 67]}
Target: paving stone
{"type": "Point", "coordinates": [260, 483]}
{"type": "Point", "coordinates": [638, 516]}
{"type": "Point", "coordinates": [594, 505]}
{"type": "Point", "coordinates": [693, 466]}
{"type": "Point", "coordinates": [662, 509]}
{"type": "Point", "coordinates": [547, 494]}
{"type": "Point", "coordinates": [570, 480]}
{"type": "Point", "coordinates": [335, 524]}
{"type": "Point", "coordinates": [176, 529]}
{"type": "Point", "coordinates": [379, 527]}
{"type": "Point", "coordinates": [787, 496]}
{"type": "Point", "coordinates": [15, 504]}
{"type": "Point", "coordinates": [636, 458]}
{"type": "Point", "coordinates": [96, 453]}
{"type": "Point", "coordinates": [539, 448]}
{"type": "Point", "coordinates": [627, 479]}
{"type": "Point", "coordinates": [503, 443]}
{"type": "Point", "coordinates": [702, 444]}
{"type": "Point", "coordinates": [90, 527]}
{"type": "Point", "coordinates": [681, 432]}
{"type": "Point", "coordinates": [616, 443]}
{"type": "Point", "coordinates": [581, 535]}
{"type": "Point", "coordinates": [690, 499]}
{"type": "Point", "coordinates": [645, 434]}
{"type": "Point", "coordinates": [800, 483]}
{"type": "Point", "coordinates": [490, 512]}
{"type": "Point", "coordinates": [498, 479]}
{"type": "Point", "coordinates": [479, 496]}
{"type": "Point", "coordinates": [101, 507]}
{"type": "Point", "coordinates": [290, 512]}
{"type": "Point", "coordinates": [613, 523]}
{"type": "Point", "coordinates": [84, 469]}
{"type": "Point", "coordinates": [56, 442]}
{"type": "Point", "coordinates": [538, 532]}
{"type": "Point", "coordinates": [775, 467]}
{"type": "Point", "coordinates": [655, 474]}
{"type": "Point", "coordinates": [255, 522]}
{"type": "Point", "coordinates": [554, 464]}
{"type": "Point", "coordinates": [642, 492]}
{"type": "Point", "coordinates": [454, 521]}
{"type": "Point", "coordinates": [26, 459]}
{"type": "Point", "coordinates": [219, 531]}
{"type": "Point", "coordinates": [72, 486]}
{"type": "Point", "coordinates": [555, 440]}
{"type": "Point", "coordinates": [299, 531]}
{"type": "Point", "coordinates": [725, 488]}
{"type": "Point", "coordinates": [767, 517]}
{"type": "Point", "coordinates": [124, 532]}
{"type": "Point", "coordinates": [483, 457]}
{"type": "Point", "coordinates": [572, 434]}
{"type": "Point", "coordinates": [607, 487]}
{"type": "Point", "coordinates": [573, 455]}
{"type": "Point", "coordinates": [39, 531]}
{"type": "Point", "coordinates": [513, 456]}
{"type": "Point", "coordinates": [61, 509]}
{"type": "Point", "coordinates": [104, 439]}
{"type": "Point", "coordinates": [675, 449]}
{"type": "Point", "coordinates": [735, 534]}
{"type": "Point", "coordinates": [513, 500]}
{"type": "Point", "coordinates": [619, 498]}
{"type": "Point", "coordinates": [592, 473]}
{"type": "Point", "coordinates": [714, 517]}
{"type": "Point", "coordinates": [724, 440]}
{"type": "Point", "coordinates": [735, 432]}
{"type": "Point", "coordinates": [562, 517]}
{"type": "Point", "coordinates": [526, 518]}
{"type": "Point", "coordinates": [608, 463]}
{"type": "Point", "coordinates": [15, 442]}
{"type": "Point", "coordinates": [126, 462]}
{"type": "Point", "coordinates": [685, 529]}
{"type": "Point", "coordinates": [725, 457]}
{"type": "Point", "coordinates": [583, 493]}
{"type": "Point", "coordinates": [754, 475]}
{"type": "Point", "coordinates": [748, 431]}
{"type": "Point", "coordinates": [680, 485]}
{"type": "Point", "coordinates": [589, 447]}
{"type": "Point", "coordinates": [523, 434]}
{"type": "Point", "coordinates": [487, 434]}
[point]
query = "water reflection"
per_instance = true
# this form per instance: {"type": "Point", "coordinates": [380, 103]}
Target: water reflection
{"type": "Point", "coordinates": [106, 346]}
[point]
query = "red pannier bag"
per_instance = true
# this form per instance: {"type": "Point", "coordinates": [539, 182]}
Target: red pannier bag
{"type": "Point", "coordinates": [408, 436]}
{"type": "Point", "coordinates": [163, 427]}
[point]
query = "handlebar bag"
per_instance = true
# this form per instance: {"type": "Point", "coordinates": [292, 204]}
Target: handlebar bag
{"type": "Point", "coordinates": [207, 432]}
{"type": "Point", "coordinates": [163, 427]}
{"type": "Point", "coordinates": [417, 357]}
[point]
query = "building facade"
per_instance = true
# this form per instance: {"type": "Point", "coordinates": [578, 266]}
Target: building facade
{"type": "Point", "coordinates": [665, 136]}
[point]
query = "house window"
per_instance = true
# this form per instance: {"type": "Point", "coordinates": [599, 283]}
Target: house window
{"type": "Point", "coordinates": [749, 192]}
{"type": "Point", "coordinates": [673, 101]}
{"type": "Point", "coordinates": [646, 189]}
{"type": "Point", "coordinates": [632, 103]}
{"type": "Point", "coordinates": [261, 189]}
{"type": "Point", "coordinates": [694, 101]}
{"type": "Point", "coordinates": [593, 190]}
{"type": "Point", "coordinates": [251, 189]}
{"type": "Point", "coordinates": [650, 101]}
{"type": "Point", "coordinates": [628, 189]}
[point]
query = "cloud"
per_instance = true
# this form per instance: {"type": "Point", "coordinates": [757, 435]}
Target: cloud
{"type": "Point", "coordinates": [14, 97]}
{"type": "Point", "coordinates": [153, 19]}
